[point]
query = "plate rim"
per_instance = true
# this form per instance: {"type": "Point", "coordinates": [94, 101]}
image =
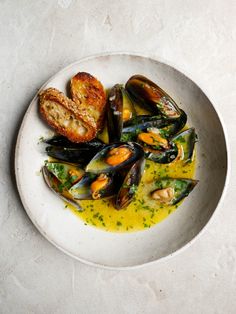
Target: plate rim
{"type": "Point", "coordinates": [210, 219]}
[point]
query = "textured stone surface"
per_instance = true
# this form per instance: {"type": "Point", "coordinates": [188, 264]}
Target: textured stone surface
{"type": "Point", "coordinates": [38, 38]}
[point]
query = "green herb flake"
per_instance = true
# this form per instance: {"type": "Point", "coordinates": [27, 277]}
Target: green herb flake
{"type": "Point", "coordinates": [100, 218]}
{"type": "Point", "coordinates": [133, 189]}
{"type": "Point", "coordinates": [126, 137]}
{"type": "Point", "coordinates": [181, 139]}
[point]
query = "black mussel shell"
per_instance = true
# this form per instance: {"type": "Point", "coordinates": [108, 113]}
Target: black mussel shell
{"type": "Point", "coordinates": [129, 111]}
{"type": "Point", "coordinates": [187, 140]}
{"type": "Point", "coordinates": [144, 122]}
{"type": "Point", "coordinates": [114, 113]}
{"type": "Point", "coordinates": [162, 156]}
{"type": "Point", "coordinates": [173, 126]}
{"type": "Point", "coordinates": [119, 109]}
{"type": "Point", "coordinates": [62, 141]}
{"type": "Point", "coordinates": [74, 155]}
{"type": "Point", "coordinates": [57, 187]}
{"type": "Point", "coordinates": [130, 184]}
{"type": "Point", "coordinates": [152, 96]}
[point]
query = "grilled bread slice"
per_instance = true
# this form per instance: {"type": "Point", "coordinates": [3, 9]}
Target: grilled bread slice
{"type": "Point", "coordinates": [65, 116]}
{"type": "Point", "coordinates": [90, 96]}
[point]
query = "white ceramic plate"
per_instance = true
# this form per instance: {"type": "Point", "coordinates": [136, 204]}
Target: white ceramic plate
{"type": "Point", "coordinates": [117, 250]}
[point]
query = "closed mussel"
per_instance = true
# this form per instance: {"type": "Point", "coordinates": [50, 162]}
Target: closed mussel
{"type": "Point", "coordinates": [64, 150]}
{"type": "Point", "coordinates": [130, 184]}
{"type": "Point", "coordinates": [62, 141]}
{"type": "Point", "coordinates": [114, 157]}
{"type": "Point", "coordinates": [152, 96]}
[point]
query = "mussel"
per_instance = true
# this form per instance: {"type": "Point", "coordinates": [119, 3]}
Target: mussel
{"type": "Point", "coordinates": [129, 111]}
{"type": "Point", "coordinates": [130, 184]}
{"type": "Point", "coordinates": [115, 156]}
{"type": "Point", "coordinates": [67, 174]}
{"type": "Point", "coordinates": [80, 153]}
{"type": "Point", "coordinates": [141, 123]}
{"type": "Point", "coordinates": [119, 109]}
{"type": "Point", "coordinates": [153, 138]}
{"type": "Point", "coordinates": [62, 141]}
{"type": "Point", "coordinates": [60, 189]}
{"type": "Point", "coordinates": [156, 147]}
{"type": "Point", "coordinates": [152, 96]}
{"type": "Point", "coordinates": [167, 126]}
{"type": "Point", "coordinates": [162, 156]}
{"type": "Point", "coordinates": [173, 126]}
{"type": "Point", "coordinates": [95, 187]}
{"type": "Point", "coordinates": [144, 121]}
{"type": "Point", "coordinates": [171, 191]}
{"type": "Point", "coordinates": [185, 142]}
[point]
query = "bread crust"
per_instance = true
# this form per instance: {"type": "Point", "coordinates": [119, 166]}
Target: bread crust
{"type": "Point", "coordinates": [88, 93]}
{"type": "Point", "coordinates": [65, 116]}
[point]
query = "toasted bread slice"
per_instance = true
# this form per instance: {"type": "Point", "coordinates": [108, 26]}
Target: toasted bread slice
{"type": "Point", "coordinates": [64, 115]}
{"type": "Point", "coordinates": [90, 96]}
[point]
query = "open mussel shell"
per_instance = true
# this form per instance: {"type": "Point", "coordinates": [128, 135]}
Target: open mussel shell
{"type": "Point", "coordinates": [83, 189]}
{"type": "Point", "coordinates": [114, 113]}
{"type": "Point", "coordinates": [172, 191]}
{"type": "Point", "coordinates": [152, 96]}
{"type": "Point", "coordinates": [102, 163]}
{"type": "Point", "coordinates": [57, 187]}
{"type": "Point", "coordinates": [129, 111]}
{"type": "Point", "coordinates": [162, 156]}
{"type": "Point", "coordinates": [67, 174]}
{"type": "Point", "coordinates": [102, 135]}
{"type": "Point", "coordinates": [186, 140]}
{"type": "Point", "coordinates": [130, 184]}
{"type": "Point", "coordinates": [119, 108]}
{"type": "Point", "coordinates": [173, 126]}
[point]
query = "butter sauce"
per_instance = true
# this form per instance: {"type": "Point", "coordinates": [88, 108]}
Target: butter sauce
{"type": "Point", "coordinates": [143, 212]}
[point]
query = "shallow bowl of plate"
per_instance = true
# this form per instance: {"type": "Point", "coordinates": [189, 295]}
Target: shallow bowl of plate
{"type": "Point", "coordinates": [125, 250]}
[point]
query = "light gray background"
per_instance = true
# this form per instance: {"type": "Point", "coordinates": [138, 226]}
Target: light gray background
{"type": "Point", "coordinates": [38, 38]}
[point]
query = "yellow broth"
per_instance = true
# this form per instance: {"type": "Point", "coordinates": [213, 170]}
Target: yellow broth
{"type": "Point", "coordinates": [143, 212]}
